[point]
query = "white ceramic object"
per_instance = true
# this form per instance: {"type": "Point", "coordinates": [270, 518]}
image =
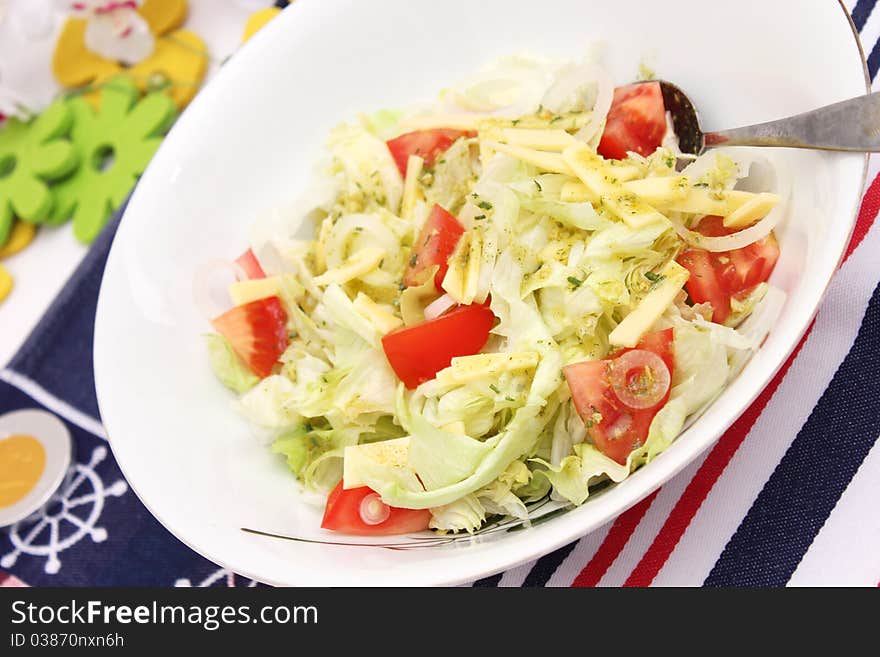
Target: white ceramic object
{"type": "Point", "coordinates": [248, 142]}
{"type": "Point", "coordinates": [57, 444]}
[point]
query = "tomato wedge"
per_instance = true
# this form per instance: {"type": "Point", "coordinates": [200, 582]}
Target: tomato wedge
{"type": "Point", "coordinates": [427, 144]}
{"type": "Point", "coordinates": [257, 332]}
{"type": "Point", "coordinates": [704, 284]}
{"type": "Point", "coordinates": [716, 277]}
{"type": "Point", "coordinates": [660, 342]}
{"type": "Point", "coordinates": [760, 256]}
{"type": "Point", "coordinates": [416, 353]}
{"type": "Point", "coordinates": [636, 121]}
{"type": "Point", "coordinates": [251, 266]}
{"type": "Point", "coordinates": [361, 512]}
{"type": "Point", "coordinates": [435, 244]}
{"type": "Point", "coordinates": [615, 427]}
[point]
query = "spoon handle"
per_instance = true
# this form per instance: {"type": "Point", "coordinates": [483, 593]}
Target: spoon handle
{"type": "Point", "coordinates": [851, 125]}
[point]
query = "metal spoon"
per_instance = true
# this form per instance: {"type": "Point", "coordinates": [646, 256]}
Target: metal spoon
{"type": "Point", "coordinates": [851, 125]}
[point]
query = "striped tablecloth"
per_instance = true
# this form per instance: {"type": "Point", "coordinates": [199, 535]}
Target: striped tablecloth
{"type": "Point", "coordinates": [788, 496]}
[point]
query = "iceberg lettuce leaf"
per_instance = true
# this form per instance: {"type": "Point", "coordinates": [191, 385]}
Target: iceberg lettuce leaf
{"type": "Point", "coordinates": [227, 366]}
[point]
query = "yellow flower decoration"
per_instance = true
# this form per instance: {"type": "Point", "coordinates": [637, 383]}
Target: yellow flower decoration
{"type": "Point", "coordinates": [180, 56]}
{"type": "Point", "coordinates": [22, 234]}
{"type": "Point", "coordinates": [257, 20]}
{"type": "Point", "coordinates": [6, 283]}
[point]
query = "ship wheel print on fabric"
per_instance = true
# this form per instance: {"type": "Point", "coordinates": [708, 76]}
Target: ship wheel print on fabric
{"type": "Point", "coordinates": [70, 515]}
{"type": "Point", "coordinates": [220, 577]}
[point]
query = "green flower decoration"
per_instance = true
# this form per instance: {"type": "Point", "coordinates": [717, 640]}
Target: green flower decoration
{"type": "Point", "coordinates": [32, 153]}
{"type": "Point", "coordinates": [114, 147]}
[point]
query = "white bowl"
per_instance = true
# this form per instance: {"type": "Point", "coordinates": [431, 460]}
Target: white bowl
{"type": "Point", "coordinates": [248, 142]}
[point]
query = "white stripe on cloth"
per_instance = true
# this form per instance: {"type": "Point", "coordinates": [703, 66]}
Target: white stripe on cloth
{"type": "Point", "coordinates": [658, 512]}
{"type": "Point", "coordinates": [832, 337]}
{"type": "Point", "coordinates": [579, 557]}
{"type": "Point", "coordinates": [53, 403]}
{"type": "Point", "coordinates": [650, 524]}
{"type": "Point", "coordinates": [703, 537]}
{"type": "Point", "coordinates": [516, 576]}
{"type": "Point", "coordinates": [871, 32]}
{"type": "Point", "coordinates": [845, 552]}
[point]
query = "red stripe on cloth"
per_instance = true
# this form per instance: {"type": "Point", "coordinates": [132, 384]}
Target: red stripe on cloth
{"type": "Point", "coordinates": [3, 577]}
{"type": "Point", "coordinates": [698, 488]}
{"type": "Point", "coordinates": [867, 213]}
{"type": "Point", "coordinates": [614, 542]}
{"type": "Point", "coordinates": [714, 465]}
{"type": "Point", "coordinates": [692, 499]}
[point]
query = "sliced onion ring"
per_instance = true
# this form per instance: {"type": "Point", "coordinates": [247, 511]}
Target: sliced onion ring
{"type": "Point", "coordinates": [373, 510]}
{"type": "Point", "coordinates": [658, 381]}
{"type": "Point", "coordinates": [270, 259]}
{"type": "Point", "coordinates": [771, 176]}
{"type": "Point", "coordinates": [568, 92]}
{"type": "Point", "coordinates": [210, 286]}
{"type": "Point", "coordinates": [604, 98]}
{"type": "Point", "coordinates": [735, 241]}
{"type": "Point", "coordinates": [439, 306]}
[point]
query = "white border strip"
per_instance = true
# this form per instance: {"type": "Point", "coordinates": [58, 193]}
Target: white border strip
{"type": "Point", "coordinates": [50, 401]}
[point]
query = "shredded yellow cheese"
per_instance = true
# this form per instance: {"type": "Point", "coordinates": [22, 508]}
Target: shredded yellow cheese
{"type": "Point", "coordinates": [540, 139]}
{"type": "Point", "coordinates": [465, 369]}
{"type": "Point", "coordinates": [381, 317]}
{"type": "Point", "coordinates": [463, 276]}
{"type": "Point", "coordinates": [414, 167]}
{"type": "Point", "coordinates": [752, 210]}
{"type": "Point", "coordinates": [639, 321]}
{"type": "Point", "coordinates": [243, 292]}
{"type": "Point", "coordinates": [552, 162]}
{"type": "Point", "coordinates": [363, 262]}
{"type": "Point", "coordinates": [600, 180]}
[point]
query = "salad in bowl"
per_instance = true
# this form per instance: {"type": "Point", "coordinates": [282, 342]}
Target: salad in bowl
{"type": "Point", "coordinates": [519, 292]}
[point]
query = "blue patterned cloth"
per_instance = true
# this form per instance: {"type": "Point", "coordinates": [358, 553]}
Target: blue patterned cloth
{"type": "Point", "coordinates": [94, 531]}
{"type": "Point", "coordinates": [786, 497]}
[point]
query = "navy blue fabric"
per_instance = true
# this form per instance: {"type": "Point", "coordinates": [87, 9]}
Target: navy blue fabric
{"type": "Point", "coordinates": [492, 580]}
{"type": "Point", "coordinates": [809, 480]}
{"type": "Point", "coordinates": [543, 570]}
{"type": "Point", "coordinates": [125, 545]}
{"type": "Point", "coordinates": [874, 60]}
{"type": "Point", "coordinates": [137, 551]}
{"type": "Point", "coordinates": [58, 353]}
{"type": "Point", "coordinates": [861, 13]}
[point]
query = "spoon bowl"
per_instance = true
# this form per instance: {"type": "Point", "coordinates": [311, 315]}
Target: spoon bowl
{"type": "Point", "coordinates": [850, 125]}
